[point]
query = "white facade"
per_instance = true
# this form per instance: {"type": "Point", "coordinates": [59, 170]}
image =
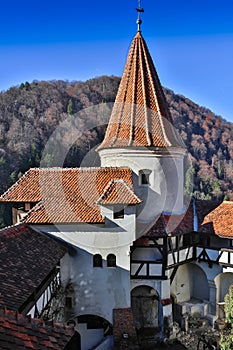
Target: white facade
{"type": "Point", "coordinates": [164, 193]}
{"type": "Point", "coordinates": [98, 290]}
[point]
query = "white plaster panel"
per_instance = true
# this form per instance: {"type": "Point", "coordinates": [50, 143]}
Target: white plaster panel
{"type": "Point", "coordinates": [134, 268]}
{"type": "Point", "coordinates": [224, 258]}
{"type": "Point", "coordinates": [213, 254]}
{"type": "Point", "coordinates": [146, 254]}
{"type": "Point", "coordinates": [155, 270]}
{"type": "Point", "coordinates": [165, 289]}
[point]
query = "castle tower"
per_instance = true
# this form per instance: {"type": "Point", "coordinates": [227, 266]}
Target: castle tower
{"type": "Point", "coordinates": [141, 135]}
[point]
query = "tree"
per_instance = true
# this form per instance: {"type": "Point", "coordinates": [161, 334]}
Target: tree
{"type": "Point", "coordinates": [70, 109]}
{"type": "Point", "coordinates": [226, 341]}
{"type": "Point", "coordinates": [189, 180]}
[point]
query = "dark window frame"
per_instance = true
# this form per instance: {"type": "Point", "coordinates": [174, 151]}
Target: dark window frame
{"type": "Point", "coordinates": [111, 260]}
{"type": "Point", "coordinates": [118, 212]}
{"type": "Point", "coordinates": [97, 260]}
{"type": "Point", "coordinates": [144, 177]}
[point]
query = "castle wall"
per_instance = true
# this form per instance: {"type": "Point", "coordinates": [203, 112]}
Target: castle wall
{"type": "Point", "coordinates": [97, 290]}
{"type": "Point", "coordinates": [165, 190]}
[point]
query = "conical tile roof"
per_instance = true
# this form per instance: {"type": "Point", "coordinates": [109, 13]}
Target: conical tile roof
{"type": "Point", "coordinates": [140, 115]}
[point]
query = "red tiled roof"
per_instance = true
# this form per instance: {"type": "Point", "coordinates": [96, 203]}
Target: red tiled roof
{"type": "Point", "coordinates": [184, 223]}
{"type": "Point", "coordinates": [140, 115]}
{"type": "Point", "coordinates": [26, 259]}
{"type": "Point", "coordinates": [220, 220]}
{"type": "Point", "coordinates": [66, 195]}
{"type": "Point", "coordinates": [20, 332]}
{"type": "Point", "coordinates": [175, 224]}
{"type": "Point", "coordinates": [118, 192]}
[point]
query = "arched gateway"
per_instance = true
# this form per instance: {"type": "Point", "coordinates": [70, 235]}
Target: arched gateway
{"type": "Point", "coordinates": [147, 313]}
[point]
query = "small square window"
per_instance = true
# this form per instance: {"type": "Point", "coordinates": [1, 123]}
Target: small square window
{"type": "Point", "coordinates": [144, 177]}
{"type": "Point", "coordinates": [118, 213]}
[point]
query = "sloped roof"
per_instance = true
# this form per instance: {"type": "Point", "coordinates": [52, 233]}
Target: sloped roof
{"type": "Point", "coordinates": [175, 224]}
{"type": "Point", "coordinates": [65, 195]}
{"type": "Point", "coordinates": [184, 223]}
{"type": "Point", "coordinates": [220, 220]}
{"type": "Point", "coordinates": [118, 192]}
{"type": "Point", "coordinates": [140, 115]}
{"type": "Point", "coordinates": [20, 332]}
{"type": "Point", "coordinates": [26, 259]}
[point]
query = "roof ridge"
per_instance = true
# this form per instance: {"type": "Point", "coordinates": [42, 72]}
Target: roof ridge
{"type": "Point", "coordinates": [110, 186]}
{"type": "Point", "coordinates": [11, 226]}
{"type": "Point", "coordinates": [75, 168]}
{"type": "Point", "coordinates": [15, 184]}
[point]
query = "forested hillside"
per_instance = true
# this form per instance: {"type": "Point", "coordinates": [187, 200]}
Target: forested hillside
{"type": "Point", "coordinates": [31, 112]}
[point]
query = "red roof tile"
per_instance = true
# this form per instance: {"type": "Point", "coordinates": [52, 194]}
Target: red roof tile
{"type": "Point", "coordinates": [175, 224]}
{"type": "Point", "coordinates": [183, 223]}
{"type": "Point", "coordinates": [26, 259]}
{"type": "Point", "coordinates": [20, 332]}
{"type": "Point", "coordinates": [140, 116]}
{"type": "Point", "coordinates": [66, 195]}
{"type": "Point", "coordinates": [220, 220]}
{"type": "Point", "coordinates": [118, 192]}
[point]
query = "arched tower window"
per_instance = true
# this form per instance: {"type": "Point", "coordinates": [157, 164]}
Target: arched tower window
{"type": "Point", "coordinates": [144, 177]}
{"type": "Point", "coordinates": [111, 260]}
{"type": "Point", "coordinates": [97, 260]}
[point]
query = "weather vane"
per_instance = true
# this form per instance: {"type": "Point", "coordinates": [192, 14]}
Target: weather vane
{"type": "Point", "coordinates": [139, 10]}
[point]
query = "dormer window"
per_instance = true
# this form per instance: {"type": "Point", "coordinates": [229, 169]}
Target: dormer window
{"type": "Point", "coordinates": [144, 177]}
{"type": "Point", "coordinates": [118, 212]}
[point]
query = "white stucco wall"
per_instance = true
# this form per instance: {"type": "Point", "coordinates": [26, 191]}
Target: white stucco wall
{"type": "Point", "coordinates": [97, 290]}
{"type": "Point", "coordinates": [165, 193]}
{"type": "Point", "coordinates": [181, 286]}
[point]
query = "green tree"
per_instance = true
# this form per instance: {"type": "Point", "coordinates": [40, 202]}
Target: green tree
{"type": "Point", "coordinates": [216, 189]}
{"type": "Point", "coordinates": [189, 180]}
{"type": "Point", "coordinates": [70, 107]}
{"type": "Point", "coordinates": [226, 341]}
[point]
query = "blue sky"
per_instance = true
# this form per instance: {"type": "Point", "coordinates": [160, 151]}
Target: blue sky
{"type": "Point", "coordinates": [191, 43]}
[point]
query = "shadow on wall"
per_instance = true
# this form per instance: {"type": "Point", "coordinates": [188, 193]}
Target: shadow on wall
{"type": "Point", "coordinates": [148, 315]}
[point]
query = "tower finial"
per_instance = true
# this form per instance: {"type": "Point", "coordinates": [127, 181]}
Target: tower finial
{"type": "Point", "coordinates": [139, 10]}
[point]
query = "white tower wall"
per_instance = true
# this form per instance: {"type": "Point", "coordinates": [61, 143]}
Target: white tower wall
{"type": "Point", "coordinates": [165, 191]}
